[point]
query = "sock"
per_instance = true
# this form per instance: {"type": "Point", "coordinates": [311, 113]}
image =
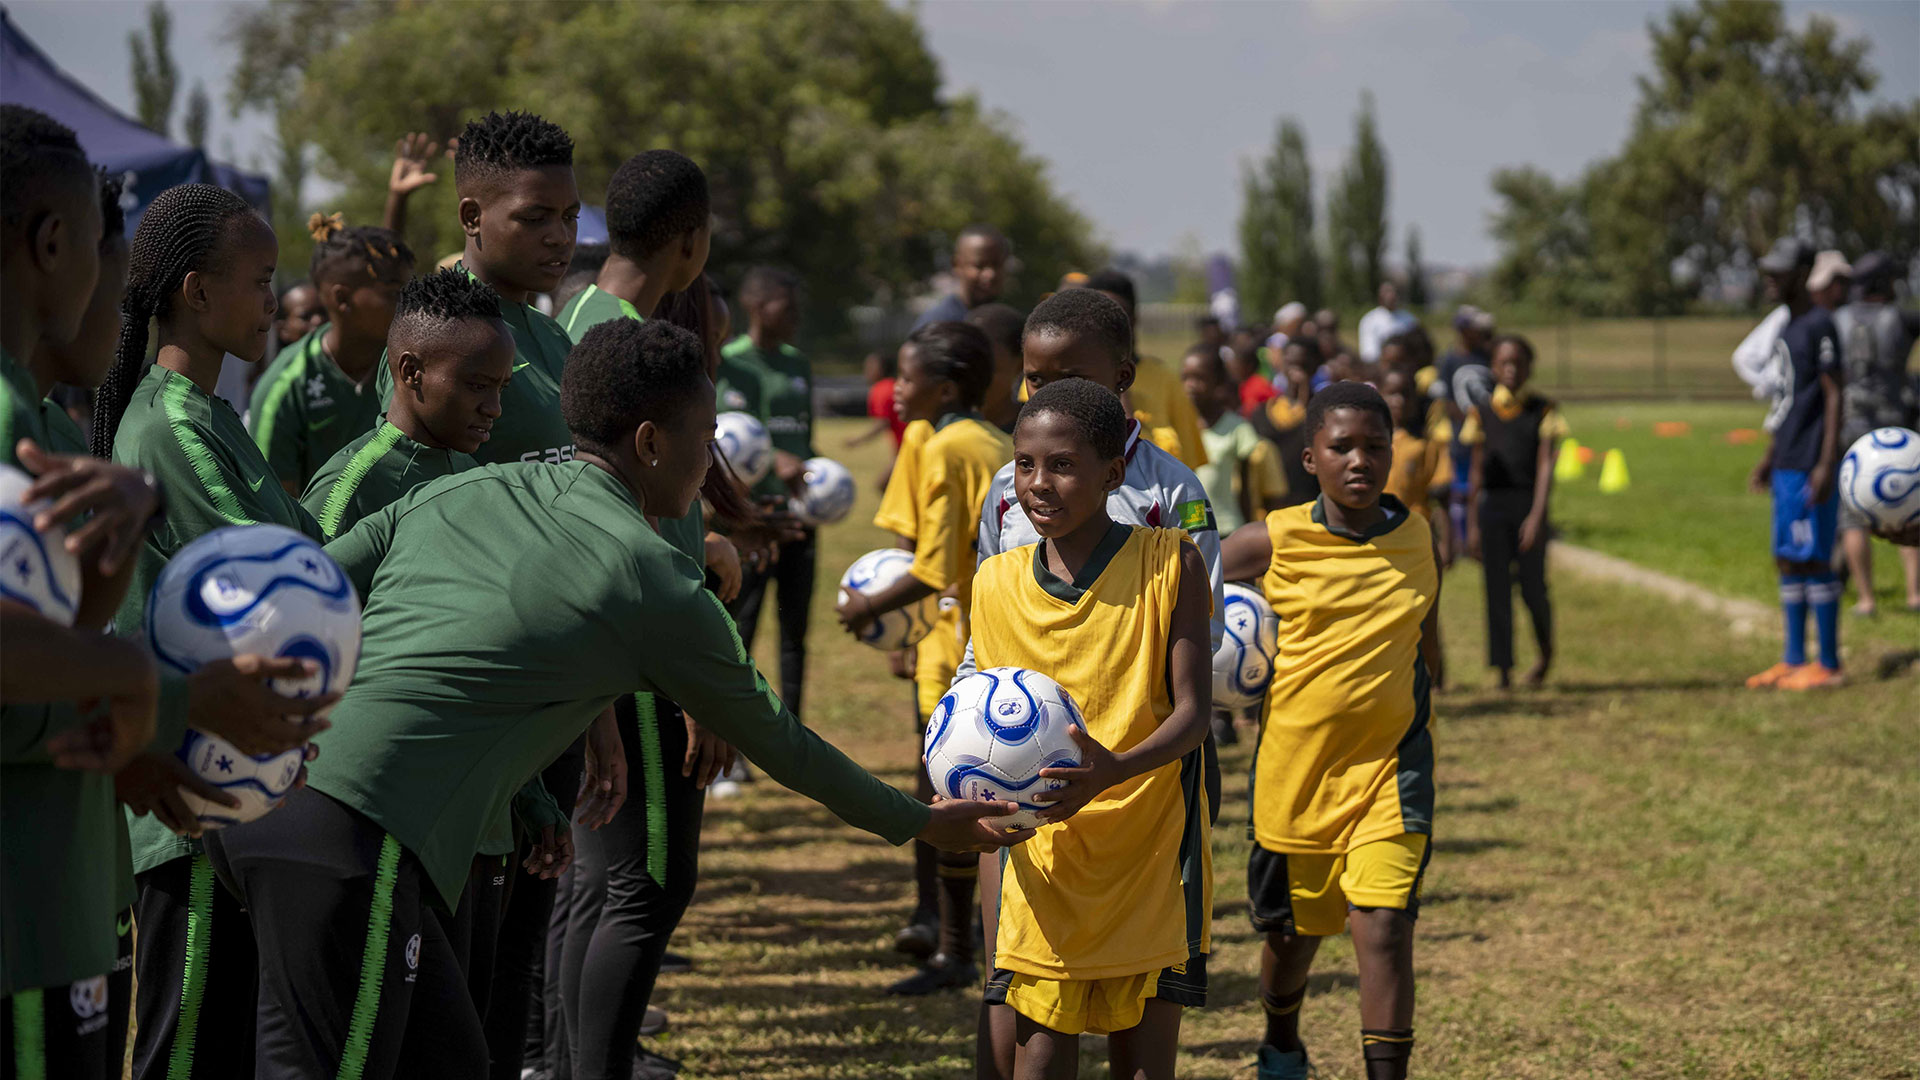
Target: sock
{"type": "Point", "coordinates": [957, 880]}
{"type": "Point", "coordinates": [1793, 605]}
{"type": "Point", "coordinates": [926, 897]}
{"type": "Point", "coordinates": [1823, 595]}
{"type": "Point", "coordinates": [1386, 1051]}
{"type": "Point", "coordinates": [1283, 1018]}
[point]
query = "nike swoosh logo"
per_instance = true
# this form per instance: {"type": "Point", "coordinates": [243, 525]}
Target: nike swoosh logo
{"type": "Point", "coordinates": [255, 486]}
{"type": "Point", "coordinates": [522, 364]}
{"type": "Point", "coordinates": [123, 924]}
{"type": "Point", "coordinates": [318, 424]}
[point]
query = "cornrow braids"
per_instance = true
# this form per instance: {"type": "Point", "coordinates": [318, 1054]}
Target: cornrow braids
{"type": "Point", "coordinates": [501, 142]}
{"type": "Point", "coordinates": [178, 234]}
{"type": "Point", "coordinates": [355, 256]}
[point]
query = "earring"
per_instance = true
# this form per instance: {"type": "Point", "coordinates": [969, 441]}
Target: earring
{"type": "Point", "coordinates": [655, 463]}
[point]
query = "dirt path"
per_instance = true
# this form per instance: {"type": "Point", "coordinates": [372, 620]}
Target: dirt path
{"type": "Point", "coordinates": [1744, 617]}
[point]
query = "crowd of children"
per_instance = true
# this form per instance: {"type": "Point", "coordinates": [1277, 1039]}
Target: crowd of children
{"type": "Point", "coordinates": [561, 581]}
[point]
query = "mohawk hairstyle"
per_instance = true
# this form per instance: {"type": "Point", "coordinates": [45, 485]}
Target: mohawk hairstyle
{"type": "Point", "coordinates": [1086, 313]}
{"type": "Point", "coordinates": [446, 295]}
{"type": "Point", "coordinates": [37, 152]}
{"type": "Point", "coordinates": [503, 142]}
{"type": "Point", "coordinates": [654, 198]}
{"type": "Point", "coordinates": [1090, 407]}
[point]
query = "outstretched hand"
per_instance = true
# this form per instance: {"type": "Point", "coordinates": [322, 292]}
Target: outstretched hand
{"type": "Point", "coordinates": [412, 157]}
{"type": "Point", "coordinates": [961, 825]}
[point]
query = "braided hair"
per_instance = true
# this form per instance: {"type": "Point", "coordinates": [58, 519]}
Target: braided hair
{"type": "Point", "coordinates": [352, 254]}
{"type": "Point", "coordinates": [178, 234]}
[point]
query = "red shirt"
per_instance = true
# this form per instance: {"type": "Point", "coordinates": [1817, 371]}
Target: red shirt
{"type": "Point", "coordinates": [880, 406]}
{"type": "Point", "coordinates": [1254, 393]}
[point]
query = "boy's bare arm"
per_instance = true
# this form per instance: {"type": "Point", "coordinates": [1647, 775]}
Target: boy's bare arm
{"type": "Point", "coordinates": [1246, 552]}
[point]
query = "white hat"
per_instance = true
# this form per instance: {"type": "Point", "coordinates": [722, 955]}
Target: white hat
{"type": "Point", "coordinates": [1289, 312]}
{"type": "Point", "coordinates": [1826, 266]}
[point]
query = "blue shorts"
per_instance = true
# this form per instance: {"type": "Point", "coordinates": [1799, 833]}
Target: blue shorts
{"type": "Point", "coordinates": [1803, 531]}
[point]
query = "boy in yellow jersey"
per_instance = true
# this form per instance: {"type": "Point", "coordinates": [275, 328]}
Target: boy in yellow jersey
{"type": "Point", "coordinates": [1104, 914]}
{"type": "Point", "coordinates": [1342, 786]}
{"type": "Point", "coordinates": [945, 369]}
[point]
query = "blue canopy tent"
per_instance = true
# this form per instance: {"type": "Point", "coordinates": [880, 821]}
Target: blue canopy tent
{"type": "Point", "coordinates": [149, 162]}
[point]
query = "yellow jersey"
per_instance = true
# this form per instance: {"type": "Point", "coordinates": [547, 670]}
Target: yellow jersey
{"type": "Point", "coordinates": [896, 513]}
{"type": "Point", "coordinates": [952, 471]}
{"type": "Point", "coordinates": [1161, 405]}
{"type": "Point", "coordinates": [1345, 755]}
{"type": "Point", "coordinates": [1420, 464]}
{"type": "Point", "coordinates": [1126, 885]}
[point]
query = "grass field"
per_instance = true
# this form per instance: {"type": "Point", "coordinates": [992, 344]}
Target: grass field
{"type": "Point", "coordinates": [1688, 511]}
{"type": "Point", "coordinates": [1633, 356]}
{"type": "Point", "coordinates": [1639, 871]}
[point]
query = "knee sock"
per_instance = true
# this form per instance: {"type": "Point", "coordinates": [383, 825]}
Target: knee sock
{"type": "Point", "coordinates": [1283, 1018]}
{"type": "Point", "coordinates": [1386, 1051]}
{"type": "Point", "coordinates": [926, 898]}
{"type": "Point", "coordinates": [957, 881]}
{"type": "Point", "coordinates": [1823, 596]}
{"type": "Point", "coordinates": [1793, 605]}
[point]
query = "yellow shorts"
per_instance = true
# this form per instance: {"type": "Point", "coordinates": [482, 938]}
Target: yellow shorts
{"type": "Point", "coordinates": [1076, 1006]}
{"type": "Point", "coordinates": [1310, 894]}
{"type": "Point", "coordinates": [938, 658]}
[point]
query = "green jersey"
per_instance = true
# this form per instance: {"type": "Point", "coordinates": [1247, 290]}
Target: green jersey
{"type": "Point", "coordinates": [60, 876]}
{"type": "Point", "coordinates": [505, 608]}
{"type": "Point", "coordinates": [784, 400]}
{"type": "Point", "coordinates": [213, 476]}
{"type": "Point", "coordinates": [371, 472]}
{"type": "Point", "coordinates": [304, 409]}
{"type": "Point", "coordinates": [529, 427]}
{"type": "Point", "coordinates": [592, 306]}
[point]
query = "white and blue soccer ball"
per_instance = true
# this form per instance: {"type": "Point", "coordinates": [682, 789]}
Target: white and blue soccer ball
{"type": "Point", "coordinates": [1243, 664]}
{"type": "Point", "coordinates": [827, 494]}
{"type": "Point", "coordinates": [1880, 477]}
{"type": "Point", "coordinates": [993, 733]}
{"type": "Point", "coordinates": [901, 627]}
{"type": "Point", "coordinates": [264, 590]}
{"type": "Point", "coordinates": [36, 571]}
{"type": "Point", "coordinates": [744, 442]}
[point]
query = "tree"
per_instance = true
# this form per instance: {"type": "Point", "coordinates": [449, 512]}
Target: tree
{"type": "Point", "coordinates": [155, 79]}
{"type": "Point", "coordinates": [1357, 215]}
{"type": "Point", "coordinates": [1745, 130]}
{"type": "Point", "coordinates": [1417, 297]}
{"type": "Point", "coordinates": [1279, 257]}
{"type": "Point", "coordinates": [825, 140]}
{"type": "Point", "coordinates": [193, 125]}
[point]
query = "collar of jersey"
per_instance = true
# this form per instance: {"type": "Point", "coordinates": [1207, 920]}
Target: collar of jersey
{"type": "Point", "coordinates": [626, 308]}
{"type": "Point", "coordinates": [23, 382]}
{"type": "Point", "coordinates": [957, 414]}
{"type": "Point", "coordinates": [1071, 591]}
{"type": "Point", "coordinates": [1396, 512]}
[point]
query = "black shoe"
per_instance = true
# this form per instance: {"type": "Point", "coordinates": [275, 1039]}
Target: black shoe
{"type": "Point", "coordinates": [673, 961]}
{"type": "Point", "coordinates": [940, 972]}
{"type": "Point", "coordinates": [648, 1065]}
{"type": "Point", "coordinates": [654, 1022]}
{"type": "Point", "coordinates": [917, 939]}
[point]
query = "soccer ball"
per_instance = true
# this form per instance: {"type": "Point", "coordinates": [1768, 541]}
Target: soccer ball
{"type": "Point", "coordinates": [1880, 477]}
{"type": "Point", "coordinates": [259, 589]}
{"type": "Point", "coordinates": [993, 733]}
{"type": "Point", "coordinates": [36, 570]}
{"type": "Point", "coordinates": [896, 629]}
{"type": "Point", "coordinates": [828, 494]}
{"type": "Point", "coordinates": [1243, 664]}
{"type": "Point", "coordinates": [744, 442]}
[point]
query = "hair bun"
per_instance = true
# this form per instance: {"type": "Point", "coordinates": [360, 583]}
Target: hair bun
{"type": "Point", "coordinates": [324, 226]}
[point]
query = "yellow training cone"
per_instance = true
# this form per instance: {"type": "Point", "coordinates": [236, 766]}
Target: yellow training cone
{"type": "Point", "coordinates": [1613, 473]}
{"type": "Point", "coordinates": [1569, 467]}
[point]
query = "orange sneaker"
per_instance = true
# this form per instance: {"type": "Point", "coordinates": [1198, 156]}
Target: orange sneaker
{"type": "Point", "coordinates": [1814, 677]}
{"type": "Point", "coordinates": [1775, 675]}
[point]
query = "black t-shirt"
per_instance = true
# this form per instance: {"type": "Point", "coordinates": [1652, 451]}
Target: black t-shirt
{"type": "Point", "coordinates": [1808, 348]}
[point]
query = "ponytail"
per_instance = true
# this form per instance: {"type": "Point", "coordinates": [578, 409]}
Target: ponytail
{"type": "Point", "coordinates": [177, 234]}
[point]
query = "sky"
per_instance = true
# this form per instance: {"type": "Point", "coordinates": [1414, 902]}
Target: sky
{"type": "Point", "coordinates": [1145, 111]}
